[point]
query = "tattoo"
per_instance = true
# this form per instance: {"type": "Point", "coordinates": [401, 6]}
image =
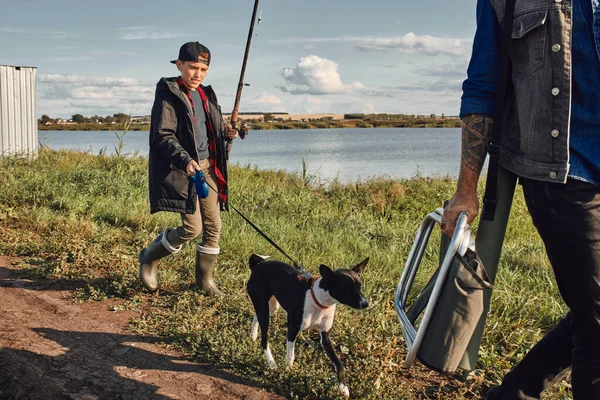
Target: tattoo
{"type": "Point", "coordinates": [476, 136]}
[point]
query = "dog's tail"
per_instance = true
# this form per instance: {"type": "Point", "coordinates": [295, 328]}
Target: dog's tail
{"type": "Point", "coordinates": [256, 259]}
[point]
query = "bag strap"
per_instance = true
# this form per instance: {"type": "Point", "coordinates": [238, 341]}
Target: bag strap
{"type": "Point", "coordinates": [490, 197]}
{"type": "Point", "coordinates": [472, 258]}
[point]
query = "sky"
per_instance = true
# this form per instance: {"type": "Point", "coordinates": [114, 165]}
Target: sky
{"type": "Point", "coordinates": [307, 56]}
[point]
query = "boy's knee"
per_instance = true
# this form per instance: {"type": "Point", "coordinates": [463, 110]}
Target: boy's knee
{"type": "Point", "coordinates": [183, 235]}
{"type": "Point", "coordinates": [192, 233]}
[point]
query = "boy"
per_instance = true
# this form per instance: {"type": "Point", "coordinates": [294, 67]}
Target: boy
{"type": "Point", "coordinates": [187, 133]}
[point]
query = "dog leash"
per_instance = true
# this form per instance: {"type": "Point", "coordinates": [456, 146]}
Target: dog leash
{"type": "Point", "coordinates": [268, 239]}
{"type": "Point", "coordinates": [300, 268]}
{"type": "Point", "coordinates": [304, 273]}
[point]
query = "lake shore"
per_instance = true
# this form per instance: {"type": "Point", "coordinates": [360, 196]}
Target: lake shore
{"type": "Point", "coordinates": [274, 125]}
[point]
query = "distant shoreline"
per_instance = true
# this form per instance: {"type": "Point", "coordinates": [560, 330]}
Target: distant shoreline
{"type": "Point", "coordinates": [318, 124]}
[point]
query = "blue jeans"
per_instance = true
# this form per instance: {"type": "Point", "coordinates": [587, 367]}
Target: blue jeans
{"type": "Point", "coordinates": [567, 218]}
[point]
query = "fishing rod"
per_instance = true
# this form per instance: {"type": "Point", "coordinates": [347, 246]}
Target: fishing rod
{"type": "Point", "coordinates": [241, 84]}
{"type": "Point", "coordinates": [243, 132]}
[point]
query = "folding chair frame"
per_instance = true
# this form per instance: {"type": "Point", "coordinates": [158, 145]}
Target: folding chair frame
{"type": "Point", "coordinates": [461, 240]}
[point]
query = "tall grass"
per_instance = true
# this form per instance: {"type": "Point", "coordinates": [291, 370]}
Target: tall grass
{"type": "Point", "coordinates": [86, 217]}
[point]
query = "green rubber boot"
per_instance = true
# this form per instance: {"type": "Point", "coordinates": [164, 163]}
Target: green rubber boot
{"type": "Point", "coordinates": [206, 262]}
{"type": "Point", "coordinates": [149, 257]}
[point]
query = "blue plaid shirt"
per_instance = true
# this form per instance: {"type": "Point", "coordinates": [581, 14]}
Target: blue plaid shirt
{"type": "Point", "coordinates": [479, 90]}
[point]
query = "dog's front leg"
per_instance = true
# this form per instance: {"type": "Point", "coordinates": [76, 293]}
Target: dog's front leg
{"type": "Point", "coordinates": [337, 364]}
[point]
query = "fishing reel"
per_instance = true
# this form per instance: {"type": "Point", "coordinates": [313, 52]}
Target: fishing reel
{"type": "Point", "coordinates": [243, 130]}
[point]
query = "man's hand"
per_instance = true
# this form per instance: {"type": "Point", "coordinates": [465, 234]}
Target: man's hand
{"type": "Point", "coordinates": [230, 132]}
{"type": "Point", "coordinates": [191, 168]}
{"type": "Point", "coordinates": [465, 199]}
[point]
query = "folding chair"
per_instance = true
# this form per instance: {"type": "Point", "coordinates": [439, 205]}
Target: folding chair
{"type": "Point", "coordinates": [457, 285]}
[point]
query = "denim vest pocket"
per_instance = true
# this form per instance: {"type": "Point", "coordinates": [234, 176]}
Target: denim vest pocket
{"type": "Point", "coordinates": [527, 46]}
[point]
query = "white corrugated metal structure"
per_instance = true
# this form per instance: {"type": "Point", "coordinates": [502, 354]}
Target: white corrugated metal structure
{"type": "Point", "coordinates": [18, 123]}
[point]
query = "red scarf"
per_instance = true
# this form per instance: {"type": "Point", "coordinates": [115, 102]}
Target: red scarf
{"type": "Point", "coordinates": [212, 140]}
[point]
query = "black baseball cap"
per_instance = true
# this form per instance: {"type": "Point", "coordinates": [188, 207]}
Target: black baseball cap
{"type": "Point", "coordinates": [191, 51]}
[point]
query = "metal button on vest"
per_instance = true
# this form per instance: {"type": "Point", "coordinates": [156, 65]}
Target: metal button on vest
{"type": "Point", "coordinates": [555, 91]}
{"type": "Point", "coordinates": [552, 175]}
{"type": "Point", "coordinates": [556, 47]}
{"type": "Point", "coordinates": [554, 133]}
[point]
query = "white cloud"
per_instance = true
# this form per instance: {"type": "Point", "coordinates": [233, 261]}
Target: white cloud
{"type": "Point", "coordinates": [91, 92]}
{"type": "Point", "coordinates": [83, 80]}
{"type": "Point", "coordinates": [65, 95]}
{"type": "Point", "coordinates": [145, 33]}
{"type": "Point", "coordinates": [315, 75]}
{"type": "Point", "coordinates": [265, 102]}
{"type": "Point", "coordinates": [265, 98]}
{"type": "Point", "coordinates": [409, 43]}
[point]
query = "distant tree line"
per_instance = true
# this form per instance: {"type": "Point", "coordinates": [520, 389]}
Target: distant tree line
{"type": "Point", "coordinates": [282, 117]}
{"type": "Point", "coordinates": [118, 118]}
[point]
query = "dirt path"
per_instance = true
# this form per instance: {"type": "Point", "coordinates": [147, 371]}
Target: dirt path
{"type": "Point", "coordinates": [51, 348]}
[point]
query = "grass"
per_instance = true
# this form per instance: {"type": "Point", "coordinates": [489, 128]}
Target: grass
{"type": "Point", "coordinates": [82, 216]}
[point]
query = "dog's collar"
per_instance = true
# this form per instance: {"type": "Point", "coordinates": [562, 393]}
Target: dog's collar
{"type": "Point", "coordinates": [312, 293]}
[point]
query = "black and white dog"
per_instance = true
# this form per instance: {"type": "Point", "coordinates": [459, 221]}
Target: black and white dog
{"type": "Point", "coordinates": [310, 304]}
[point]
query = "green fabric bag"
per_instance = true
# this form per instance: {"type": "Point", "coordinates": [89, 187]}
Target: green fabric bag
{"type": "Point", "coordinates": [456, 315]}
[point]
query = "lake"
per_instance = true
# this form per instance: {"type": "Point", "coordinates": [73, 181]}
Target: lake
{"type": "Point", "coordinates": [348, 154]}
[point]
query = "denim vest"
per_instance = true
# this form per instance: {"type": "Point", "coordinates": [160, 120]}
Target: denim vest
{"type": "Point", "coordinates": [535, 136]}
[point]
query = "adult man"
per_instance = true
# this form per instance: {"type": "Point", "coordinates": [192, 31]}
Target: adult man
{"type": "Point", "coordinates": [551, 140]}
{"type": "Point", "coordinates": [187, 134]}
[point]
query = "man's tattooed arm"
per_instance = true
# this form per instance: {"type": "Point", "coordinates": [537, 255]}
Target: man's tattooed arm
{"type": "Point", "coordinates": [476, 136]}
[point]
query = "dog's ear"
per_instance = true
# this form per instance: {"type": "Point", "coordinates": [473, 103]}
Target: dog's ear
{"type": "Point", "coordinates": [256, 259]}
{"type": "Point", "coordinates": [359, 268]}
{"type": "Point", "coordinates": [325, 271]}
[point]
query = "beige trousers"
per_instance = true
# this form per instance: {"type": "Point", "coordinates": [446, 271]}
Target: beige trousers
{"type": "Point", "coordinates": [206, 220]}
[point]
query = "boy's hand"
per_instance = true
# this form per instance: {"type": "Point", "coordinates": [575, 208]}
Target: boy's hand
{"type": "Point", "coordinates": [192, 167]}
{"type": "Point", "coordinates": [230, 132]}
